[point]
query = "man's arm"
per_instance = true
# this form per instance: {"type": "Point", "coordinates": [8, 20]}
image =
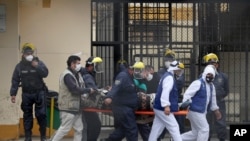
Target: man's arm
{"type": "Point", "coordinates": [73, 87]}
{"type": "Point", "coordinates": [41, 68]}
{"type": "Point", "coordinates": [15, 81]}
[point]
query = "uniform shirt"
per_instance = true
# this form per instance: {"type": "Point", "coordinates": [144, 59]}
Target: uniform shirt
{"type": "Point", "coordinates": [123, 91]}
{"type": "Point", "coordinates": [41, 69]}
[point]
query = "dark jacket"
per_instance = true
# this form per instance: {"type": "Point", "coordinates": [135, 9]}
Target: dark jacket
{"type": "Point", "coordinates": [123, 92]}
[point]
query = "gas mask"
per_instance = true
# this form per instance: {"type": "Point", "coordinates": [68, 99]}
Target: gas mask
{"type": "Point", "coordinates": [209, 79]}
{"type": "Point", "coordinates": [29, 58]}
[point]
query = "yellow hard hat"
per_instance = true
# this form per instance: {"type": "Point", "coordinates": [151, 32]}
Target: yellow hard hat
{"type": "Point", "coordinates": [92, 60]}
{"type": "Point", "coordinates": [28, 47]}
{"type": "Point", "coordinates": [121, 61]}
{"type": "Point", "coordinates": [169, 53]}
{"type": "Point", "coordinates": [97, 60]}
{"type": "Point", "coordinates": [181, 65]}
{"type": "Point", "coordinates": [211, 58]}
{"type": "Point", "coordinates": [139, 65]}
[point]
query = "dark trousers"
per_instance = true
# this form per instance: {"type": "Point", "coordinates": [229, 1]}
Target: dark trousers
{"type": "Point", "coordinates": [91, 125]}
{"type": "Point", "coordinates": [28, 100]}
{"type": "Point", "coordinates": [125, 124]}
{"type": "Point", "coordinates": [144, 130]}
{"type": "Point", "coordinates": [218, 125]}
{"type": "Point", "coordinates": [181, 122]}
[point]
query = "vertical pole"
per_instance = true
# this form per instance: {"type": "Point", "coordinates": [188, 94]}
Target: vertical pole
{"type": "Point", "coordinates": [51, 116]}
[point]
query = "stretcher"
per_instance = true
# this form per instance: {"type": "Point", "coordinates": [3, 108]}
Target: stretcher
{"type": "Point", "coordinates": [184, 112]}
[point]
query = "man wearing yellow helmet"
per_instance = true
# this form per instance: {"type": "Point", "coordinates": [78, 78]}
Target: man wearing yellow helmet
{"type": "Point", "coordinates": [180, 81]}
{"type": "Point", "coordinates": [29, 72]}
{"type": "Point", "coordinates": [169, 57]}
{"type": "Point", "coordinates": [222, 90]}
{"type": "Point", "coordinates": [91, 120]}
{"type": "Point", "coordinates": [147, 87]}
{"type": "Point", "coordinates": [123, 97]}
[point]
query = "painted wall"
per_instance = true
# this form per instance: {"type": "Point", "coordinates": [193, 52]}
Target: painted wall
{"type": "Point", "coordinates": [57, 31]}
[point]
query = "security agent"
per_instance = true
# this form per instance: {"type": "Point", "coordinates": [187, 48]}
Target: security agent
{"type": "Point", "coordinates": [91, 120]}
{"type": "Point", "coordinates": [169, 57]}
{"type": "Point", "coordinates": [222, 90]}
{"type": "Point", "coordinates": [29, 72]}
{"type": "Point", "coordinates": [123, 98]}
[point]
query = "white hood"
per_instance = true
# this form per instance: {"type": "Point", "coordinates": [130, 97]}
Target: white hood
{"type": "Point", "coordinates": [174, 66]}
{"type": "Point", "coordinates": [208, 69]}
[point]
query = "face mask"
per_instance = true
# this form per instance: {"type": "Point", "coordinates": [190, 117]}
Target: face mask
{"type": "Point", "coordinates": [167, 64]}
{"type": "Point", "coordinates": [150, 77]}
{"type": "Point", "coordinates": [78, 67]}
{"type": "Point", "coordinates": [29, 58]}
{"type": "Point", "coordinates": [209, 79]}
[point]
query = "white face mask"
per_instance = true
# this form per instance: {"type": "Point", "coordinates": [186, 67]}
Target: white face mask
{"type": "Point", "coordinates": [29, 58]}
{"type": "Point", "coordinates": [78, 67]}
{"type": "Point", "coordinates": [167, 64]}
{"type": "Point", "coordinates": [150, 77]}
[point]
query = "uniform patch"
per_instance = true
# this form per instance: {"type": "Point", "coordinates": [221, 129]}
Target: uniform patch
{"type": "Point", "coordinates": [220, 80]}
{"type": "Point", "coordinates": [117, 82]}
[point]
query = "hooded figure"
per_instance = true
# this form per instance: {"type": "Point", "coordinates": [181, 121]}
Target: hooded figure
{"type": "Point", "coordinates": [202, 97]}
{"type": "Point", "coordinates": [166, 102]}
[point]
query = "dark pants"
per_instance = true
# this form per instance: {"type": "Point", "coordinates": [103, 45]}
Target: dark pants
{"type": "Point", "coordinates": [28, 100]}
{"type": "Point", "coordinates": [181, 122]}
{"type": "Point", "coordinates": [144, 130]}
{"type": "Point", "coordinates": [125, 124]}
{"type": "Point", "coordinates": [218, 125]}
{"type": "Point", "coordinates": [92, 126]}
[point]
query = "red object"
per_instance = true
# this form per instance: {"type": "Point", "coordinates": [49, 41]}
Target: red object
{"type": "Point", "coordinates": [136, 112]}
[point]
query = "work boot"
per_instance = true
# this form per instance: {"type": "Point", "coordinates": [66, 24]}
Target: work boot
{"type": "Point", "coordinates": [43, 133]}
{"type": "Point", "coordinates": [28, 134]}
{"type": "Point", "coordinates": [27, 139]}
{"type": "Point", "coordinates": [43, 138]}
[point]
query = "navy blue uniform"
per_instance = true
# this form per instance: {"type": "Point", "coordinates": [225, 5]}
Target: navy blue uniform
{"type": "Point", "coordinates": [124, 103]}
{"type": "Point", "coordinates": [180, 81]}
{"type": "Point", "coordinates": [222, 89]}
{"type": "Point", "coordinates": [33, 92]}
{"type": "Point", "coordinates": [91, 121]}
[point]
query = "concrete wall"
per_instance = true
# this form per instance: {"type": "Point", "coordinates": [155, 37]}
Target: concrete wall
{"type": "Point", "coordinates": [57, 31]}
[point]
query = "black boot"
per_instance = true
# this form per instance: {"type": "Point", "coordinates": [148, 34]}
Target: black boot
{"type": "Point", "coordinates": [43, 138]}
{"type": "Point", "coordinates": [43, 133]}
{"type": "Point", "coordinates": [28, 135]}
{"type": "Point", "coordinates": [27, 139]}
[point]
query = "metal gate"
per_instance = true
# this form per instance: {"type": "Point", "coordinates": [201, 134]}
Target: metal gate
{"type": "Point", "coordinates": [134, 30]}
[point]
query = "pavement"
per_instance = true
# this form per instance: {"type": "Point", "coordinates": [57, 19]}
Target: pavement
{"type": "Point", "coordinates": [104, 134]}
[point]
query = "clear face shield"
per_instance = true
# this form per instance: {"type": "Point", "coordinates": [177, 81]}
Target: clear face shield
{"type": "Point", "coordinates": [138, 73]}
{"type": "Point", "coordinates": [99, 67]}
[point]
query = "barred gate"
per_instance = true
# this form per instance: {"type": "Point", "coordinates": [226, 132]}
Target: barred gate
{"type": "Point", "coordinates": [134, 30]}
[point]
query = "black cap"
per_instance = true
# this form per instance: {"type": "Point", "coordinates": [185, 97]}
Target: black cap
{"type": "Point", "coordinates": [89, 60]}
